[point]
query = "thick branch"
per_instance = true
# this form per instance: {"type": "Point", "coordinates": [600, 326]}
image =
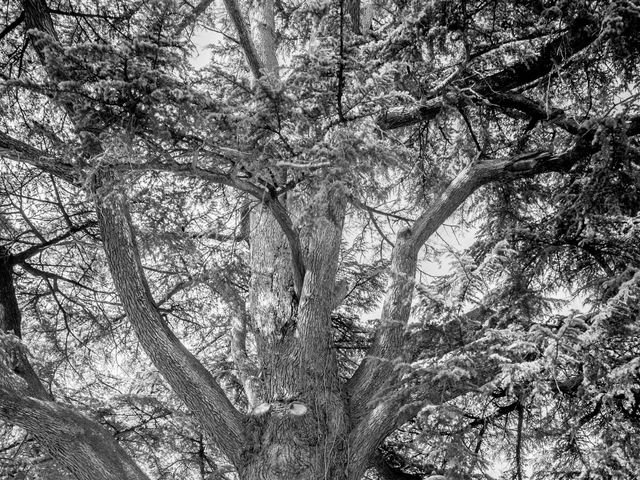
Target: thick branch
{"type": "Point", "coordinates": [10, 318]}
{"type": "Point", "coordinates": [13, 25]}
{"type": "Point", "coordinates": [21, 152]}
{"type": "Point", "coordinates": [376, 372]}
{"type": "Point", "coordinates": [284, 220]}
{"type": "Point", "coordinates": [535, 110]}
{"type": "Point", "coordinates": [583, 32]}
{"type": "Point", "coordinates": [76, 442]}
{"type": "Point", "coordinates": [186, 375]}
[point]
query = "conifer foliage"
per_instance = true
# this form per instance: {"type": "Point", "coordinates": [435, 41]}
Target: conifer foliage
{"type": "Point", "coordinates": [327, 239]}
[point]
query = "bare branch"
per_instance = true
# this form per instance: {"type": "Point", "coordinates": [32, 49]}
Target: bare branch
{"type": "Point", "coordinates": [13, 25]}
{"type": "Point", "coordinates": [34, 250]}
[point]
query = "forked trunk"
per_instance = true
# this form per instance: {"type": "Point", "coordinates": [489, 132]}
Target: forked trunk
{"type": "Point", "coordinates": [298, 426]}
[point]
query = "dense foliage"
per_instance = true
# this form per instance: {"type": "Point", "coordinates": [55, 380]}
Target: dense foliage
{"type": "Point", "coordinates": [521, 356]}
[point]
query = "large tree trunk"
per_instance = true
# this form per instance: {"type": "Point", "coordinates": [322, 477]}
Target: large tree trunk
{"type": "Point", "coordinates": [303, 434]}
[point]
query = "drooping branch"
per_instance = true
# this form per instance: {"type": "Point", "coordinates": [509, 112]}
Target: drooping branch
{"type": "Point", "coordinates": [189, 379]}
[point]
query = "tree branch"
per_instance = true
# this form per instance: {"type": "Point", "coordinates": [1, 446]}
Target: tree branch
{"type": "Point", "coordinates": [76, 442]}
{"type": "Point", "coordinates": [244, 38]}
{"type": "Point", "coordinates": [582, 33]}
{"type": "Point", "coordinates": [284, 220]}
{"type": "Point", "coordinates": [21, 152]}
{"type": "Point", "coordinates": [186, 375]}
{"type": "Point", "coordinates": [12, 26]}
{"type": "Point", "coordinates": [34, 250]}
{"type": "Point", "coordinates": [376, 373]}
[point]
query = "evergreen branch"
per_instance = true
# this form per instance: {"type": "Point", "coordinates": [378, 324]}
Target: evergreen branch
{"type": "Point", "coordinates": [582, 33]}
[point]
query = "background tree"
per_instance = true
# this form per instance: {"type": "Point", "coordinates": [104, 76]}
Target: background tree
{"type": "Point", "coordinates": [247, 220]}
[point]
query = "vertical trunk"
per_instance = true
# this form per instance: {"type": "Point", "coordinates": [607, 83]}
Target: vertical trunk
{"type": "Point", "coordinates": [302, 434]}
{"type": "Point", "coordinates": [9, 310]}
{"type": "Point", "coordinates": [293, 342]}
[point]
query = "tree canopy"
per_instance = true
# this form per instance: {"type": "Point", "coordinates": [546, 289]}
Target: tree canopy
{"type": "Point", "coordinates": [324, 239]}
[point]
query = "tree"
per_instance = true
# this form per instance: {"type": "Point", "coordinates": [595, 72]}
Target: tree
{"type": "Point", "coordinates": [279, 192]}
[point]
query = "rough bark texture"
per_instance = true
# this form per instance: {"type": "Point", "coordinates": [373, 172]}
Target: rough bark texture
{"type": "Point", "coordinates": [293, 340]}
{"type": "Point", "coordinates": [72, 439]}
{"type": "Point", "coordinates": [303, 422]}
{"type": "Point", "coordinates": [188, 378]}
{"type": "Point", "coordinates": [76, 442]}
{"type": "Point", "coordinates": [9, 310]}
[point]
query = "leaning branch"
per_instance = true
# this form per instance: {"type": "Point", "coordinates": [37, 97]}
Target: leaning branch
{"type": "Point", "coordinates": [377, 373]}
{"type": "Point", "coordinates": [233, 9]}
{"type": "Point", "coordinates": [35, 249]}
{"type": "Point", "coordinates": [188, 378]}
{"type": "Point", "coordinates": [21, 152]}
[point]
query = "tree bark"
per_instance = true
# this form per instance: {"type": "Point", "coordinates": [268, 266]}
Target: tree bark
{"type": "Point", "coordinates": [10, 320]}
{"type": "Point", "coordinates": [72, 439]}
{"type": "Point", "coordinates": [188, 378]}
{"type": "Point", "coordinates": [76, 442]}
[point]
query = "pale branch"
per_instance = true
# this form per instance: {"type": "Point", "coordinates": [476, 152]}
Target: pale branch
{"type": "Point", "coordinates": [317, 297]}
{"type": "Point", "coordinates": [189, 379]}
{"type": "Point", "coordinates": [246, 368]}
{"type": "Point", "coordinates": [582, 33]}
{"type": "Point", "coordinates": [233, 9]}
